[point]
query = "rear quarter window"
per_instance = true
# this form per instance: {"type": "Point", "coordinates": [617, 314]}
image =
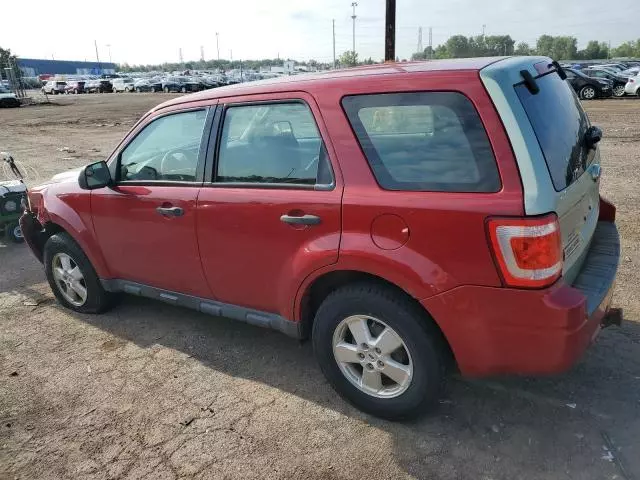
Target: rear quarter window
{"type": "Point", "coordinates": [424, 141]}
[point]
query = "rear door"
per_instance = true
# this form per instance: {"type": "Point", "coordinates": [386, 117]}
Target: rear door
{"type": "Point", "coordinates": [271, 213]}
{"type": "Point", "coordinates": [560, 171]}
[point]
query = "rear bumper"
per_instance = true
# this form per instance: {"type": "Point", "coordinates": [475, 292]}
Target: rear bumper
{"type": "Point", "coordinates": [511, 331]}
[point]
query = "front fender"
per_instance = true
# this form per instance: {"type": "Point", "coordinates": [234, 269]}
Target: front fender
{"type": "Point", "coordinates": [71, 211]}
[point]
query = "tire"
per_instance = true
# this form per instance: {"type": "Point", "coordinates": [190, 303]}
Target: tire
{"type": "Point", "coordinates": [183, 89]}
{"type": "Point", "coordinates": [115, 91]}
{"type": "Point", "coordinates": [137, 90]}
{"type": "Point", "coordinates": [166, 89]}
{"type": "Point", "coordinates": [423, 349]}
{"type": "Point", "coordinates": [619, 91]}
{"type": "Point", "coordinates": [587, 93]}
{"type": "Point", "coordinates": [13, 233]}
{"type": "Point", "coordinates": [97, 299]}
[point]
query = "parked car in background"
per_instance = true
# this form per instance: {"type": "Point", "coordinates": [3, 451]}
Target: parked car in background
{"type": "Point", "coordinates": [335, 218]}
{"type": "Point", "coordinates": [631, 72]}
{"type": "Point", "coordinates": [141, 85]}
{"type": "Point", "coordinates": [8, 98]}
{"type": "Point", "coordinates": [633, 86]}
{"type": "Point", "coordinates": [75, 87]}
{"type": "Point", "coordinates": [180, 84]}
{"type": "Point", "coordinates": [586, 87]}
{"type": "Point", "coordinates": [54, 87]}
{"type": "Point", "coordinates": [98, 86]}
{"type": "Point", "coordinates": [123, 84]}
{"type": "Point", "coordinates": [617, 79]}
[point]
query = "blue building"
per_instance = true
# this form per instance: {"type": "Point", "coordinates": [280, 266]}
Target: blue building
{"type": "Point", "coordinates": [31, 67]}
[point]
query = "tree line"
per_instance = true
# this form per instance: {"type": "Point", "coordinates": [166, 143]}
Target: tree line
{"type": "Point", "coordinates": [556, 47]}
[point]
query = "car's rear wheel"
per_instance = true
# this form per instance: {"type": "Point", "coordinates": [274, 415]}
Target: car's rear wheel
{"type": "Point", "coordinates": [13, 232]}
{"type": "Point", "coordinates": [618, 91]}
{"type": "Point", "coordinates": [379, 351]}
{"type": "Point", "coordinates": [588, 93]}
{"type": "Point", "coordinates": [183, 89]}
{"type": "Point", "coordinates": [71, 276]}
{"type": "Point", "coordinates": [166, 89]}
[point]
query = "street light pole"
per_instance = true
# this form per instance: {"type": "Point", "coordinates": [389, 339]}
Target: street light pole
{"type": "Point", "coordinates": [218, 44]}
{"type": "Point", "coordinates": [354, 5]}
{"type": "Point", "coordinates": [390, 31]}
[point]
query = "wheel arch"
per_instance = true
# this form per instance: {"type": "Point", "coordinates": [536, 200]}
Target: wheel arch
{"type": "Point", "coordinates": [323, 285]}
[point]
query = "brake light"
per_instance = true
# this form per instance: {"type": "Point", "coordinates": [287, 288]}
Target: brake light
{"type": "Point", "coordinates": [528, 250]}
{"type": "Point", "coordinates": [631, 80]}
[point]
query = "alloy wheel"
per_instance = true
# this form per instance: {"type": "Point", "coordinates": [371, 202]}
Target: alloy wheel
{"type": "Point", "coordinates": [372, 356]}
{"type": "Point", "coordinates": [69, 279]}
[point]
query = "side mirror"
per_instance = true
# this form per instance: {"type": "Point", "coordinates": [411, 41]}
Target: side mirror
{"type": "Point", "coordinates": [592, 136]}
{"type": "Point", "coordinates": [95, 176]}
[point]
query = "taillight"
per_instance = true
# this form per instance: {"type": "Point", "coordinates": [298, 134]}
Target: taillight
{"type": "Point", "coordinates": [528, 250]}
{"type": "Point", "coordinates": [631, 80]}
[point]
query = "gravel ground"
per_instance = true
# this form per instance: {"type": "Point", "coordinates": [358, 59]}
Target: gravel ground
{"type": "Point", "coordinates": [151, 391]}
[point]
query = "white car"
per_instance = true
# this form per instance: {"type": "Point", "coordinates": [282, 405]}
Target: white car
{"type": "Point", "coordinates": [633, 86]}
{"type": "Point", "coordinates": [8, 98]}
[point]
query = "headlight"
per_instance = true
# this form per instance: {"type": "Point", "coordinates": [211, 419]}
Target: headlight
{"type": "Point", "coordinates": [10, 206]}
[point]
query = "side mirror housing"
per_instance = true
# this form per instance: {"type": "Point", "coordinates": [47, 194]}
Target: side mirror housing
{"type": "Point", "coordinates": [95, 176]}
{"type": "Point", "coordinates": [592, 136]}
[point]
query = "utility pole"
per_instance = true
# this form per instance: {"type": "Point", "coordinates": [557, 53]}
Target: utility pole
{"type": "Point", "coordinates": [419, 40]}
{"type": "Point", "coordinates": [354, 5]}
{"type": "Point", "coordinates": [201, 53]}
{"type": "Point", "coordinates": [108, 45]}
{"type": "Point", "coordinates": [609, 51]}
{"type": "Point", "coordinates": [180, 56]}
{"type": "Point", "coordinates": [390, 31]}
{"type": "Point", "coordinates": [484, 28]}
{"type": "Point", "coordinates": [95, 42]}
{"type": "Point", "coordinates": [231, 55]}
{"type": "Point", "coordinates": [218, 44]}
{"type": "Point", "coordinates": [334, 44]}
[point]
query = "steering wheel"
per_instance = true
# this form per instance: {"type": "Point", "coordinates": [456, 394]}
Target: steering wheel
{"type": "Point", "coordinates": [177, 160]}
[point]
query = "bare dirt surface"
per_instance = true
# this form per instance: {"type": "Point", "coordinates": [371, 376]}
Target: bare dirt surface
{"type": "Point", "coordinates": [151, 391]}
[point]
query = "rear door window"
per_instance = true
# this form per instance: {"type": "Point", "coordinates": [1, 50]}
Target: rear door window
{"type": "Point", "coordinates": [559, 123]}
{"type": "Point", "coordinates": [424, 141]}
{"type": "Point", "coordinates": [274, 143]}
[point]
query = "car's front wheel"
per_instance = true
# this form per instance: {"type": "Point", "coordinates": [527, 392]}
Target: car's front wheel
{"type": "Point", "coordinates": [379, 351]}
{"type": "Point", "coordinates": [588, 93]}
{"type": "Point", "coordinates": [166, 89]}
{"type": "Point", "coordinates": [618, 91]}
{"type": "Point", "coordinates": [71, 276]}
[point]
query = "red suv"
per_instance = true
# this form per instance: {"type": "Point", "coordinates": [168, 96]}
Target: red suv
{"type": "Point", "coordinates": [405, 217]}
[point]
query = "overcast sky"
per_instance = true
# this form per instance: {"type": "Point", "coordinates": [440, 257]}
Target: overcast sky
{"type": "Point", "coordinates": [150, 32]}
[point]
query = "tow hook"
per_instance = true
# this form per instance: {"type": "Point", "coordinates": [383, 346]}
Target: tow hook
{"type": "Point", "coordinates": [612, 317]}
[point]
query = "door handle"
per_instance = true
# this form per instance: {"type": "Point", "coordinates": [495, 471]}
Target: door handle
{"type": "Point", "coordinates": [302, 220]}
{"type": "Point", "coordinates": [170, 211]}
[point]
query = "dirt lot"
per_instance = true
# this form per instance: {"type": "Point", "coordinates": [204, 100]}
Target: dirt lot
{"type": "Point", "coordinates": [151, 391]}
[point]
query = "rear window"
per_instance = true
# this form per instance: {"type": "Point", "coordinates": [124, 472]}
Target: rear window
{"type": "Point", "coordinates": [559, 123]}
{"type": "Point", "coordinates": [424, 141]}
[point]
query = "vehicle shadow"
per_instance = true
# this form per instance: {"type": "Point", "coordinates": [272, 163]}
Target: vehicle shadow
{"type": "Point", "coordinates": [513, 427]}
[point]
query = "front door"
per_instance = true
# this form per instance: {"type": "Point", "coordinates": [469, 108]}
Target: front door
{"type": "Point", "coordinates": [271, 214]}
{"type": "Point", "coordinates": [145, 223]}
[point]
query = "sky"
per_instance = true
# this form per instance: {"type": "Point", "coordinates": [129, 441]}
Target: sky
{"type": "Point", "coordinates": [145, 32]}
